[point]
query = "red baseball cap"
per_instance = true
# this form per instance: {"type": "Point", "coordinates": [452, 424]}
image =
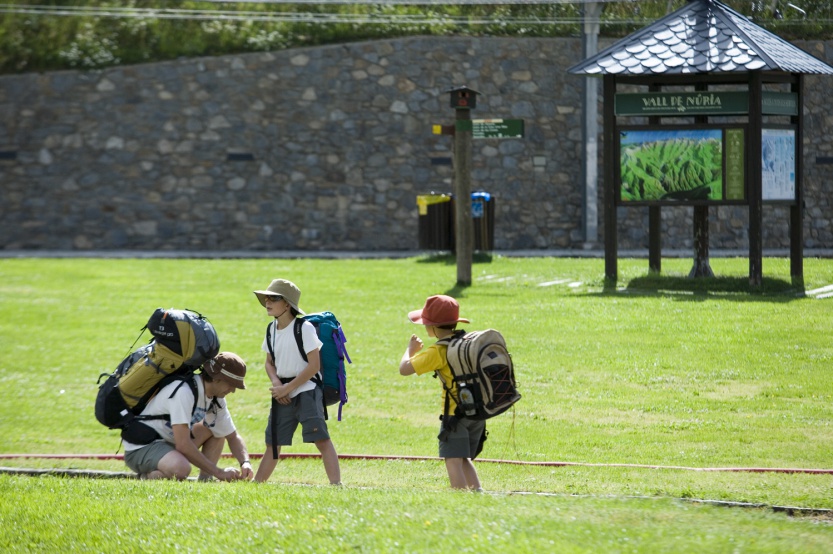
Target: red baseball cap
{"type": "Point", "coordinates": [438, 310]}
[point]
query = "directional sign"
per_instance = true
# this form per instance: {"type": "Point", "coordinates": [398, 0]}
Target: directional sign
{"type": "Point", "coordinates": [492, 128]}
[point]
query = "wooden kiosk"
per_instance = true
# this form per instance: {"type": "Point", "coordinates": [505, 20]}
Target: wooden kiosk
{"type": "Point", "coordinates": [703, 108]}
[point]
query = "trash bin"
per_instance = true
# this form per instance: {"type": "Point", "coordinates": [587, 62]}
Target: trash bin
{"type": "Point", "coordinates": [436, 221]}
{"type": "Point", "coordinates": [483, 218]}
{"type": "Point", "coordinates": [437, 228]}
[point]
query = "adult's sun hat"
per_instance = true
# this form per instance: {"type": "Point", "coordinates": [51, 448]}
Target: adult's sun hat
{"type": "Point", "coordinates": [229, 367]}
{"type": "Point", "coordinates": [281, 287]}
{"type": "Point", "coordinates": [438, 310]}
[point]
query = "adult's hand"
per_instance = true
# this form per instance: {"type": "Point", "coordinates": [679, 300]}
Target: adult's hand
{"type": "Point", "coordinates": [229, 474]}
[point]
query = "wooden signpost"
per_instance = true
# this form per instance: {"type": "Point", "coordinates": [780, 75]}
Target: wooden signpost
{"type": "Point", "coordinates": [463, 100]}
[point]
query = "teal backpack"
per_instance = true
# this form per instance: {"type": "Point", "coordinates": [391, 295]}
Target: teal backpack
{"type": "Point", "coordinates": [332, 378]}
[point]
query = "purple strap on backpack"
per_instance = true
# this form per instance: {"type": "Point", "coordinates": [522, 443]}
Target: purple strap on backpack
{"type": "Point", "coordinates": [340, 339]}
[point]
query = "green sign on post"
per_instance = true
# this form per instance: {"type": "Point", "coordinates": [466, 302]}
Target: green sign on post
{"type": "Point", "coordinates": [492, 128]}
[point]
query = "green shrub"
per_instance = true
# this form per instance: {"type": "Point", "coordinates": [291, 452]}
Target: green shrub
{"type": "Point", "coordinates": [74, 37]}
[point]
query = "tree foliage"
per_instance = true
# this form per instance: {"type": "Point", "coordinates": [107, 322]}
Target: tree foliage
{"type": "Point", "coordinates": [64, 34]}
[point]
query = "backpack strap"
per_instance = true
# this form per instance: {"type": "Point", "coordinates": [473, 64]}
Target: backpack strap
{"type": "Point", "coordinates": [447, 393]}
{"type": "Point", "coordinates": [455, 335]}
{"type": "Point", "coordinates": [193, 384]}
{"type": "Point", "coordinates": [299, 340]}
{"type": "Point", "coordinates": [274, 426]}
{"type": "Point", "coordinates": [139, 433]}
{"type": "Point", "coordinates": [269, 340]}
{"type": "Point", "coordinates": [447, 341]}
{"type": "Point", "coordinates": [340, 339]}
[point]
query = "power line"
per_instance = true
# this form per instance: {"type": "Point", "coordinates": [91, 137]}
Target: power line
{"type": "Point", "coordinates": [336, 18]}
{"type": "Point", "coordinates": [293, 17]}
{"type": "Point", "coordinates": [436, 3]}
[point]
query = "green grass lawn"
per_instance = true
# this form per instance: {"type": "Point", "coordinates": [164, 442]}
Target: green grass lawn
{"type": "Point", "coordinates": [659, 370]}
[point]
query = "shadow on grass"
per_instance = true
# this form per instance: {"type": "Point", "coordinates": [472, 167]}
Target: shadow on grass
{"type": "Point", "coordinates": [704, 288]}
{"type": "Point", "coordinates": [446, 258]}
{"type": "Point", "coordinates": [449, 259]}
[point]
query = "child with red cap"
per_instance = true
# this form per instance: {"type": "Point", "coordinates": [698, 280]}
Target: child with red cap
{"type": "Point", "coordinates": [460, 438]}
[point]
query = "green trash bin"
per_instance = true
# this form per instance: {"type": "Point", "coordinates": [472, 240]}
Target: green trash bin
{"type": "Point", "coordinates": [436, 221]}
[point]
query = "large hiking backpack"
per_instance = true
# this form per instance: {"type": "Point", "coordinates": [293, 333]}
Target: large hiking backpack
{"type": "Point", "coordinates": [332, 378]}
{"type": "Point", "coordinates": [484, 374]}
{"type": "Point", "coordinates": [182, 341]}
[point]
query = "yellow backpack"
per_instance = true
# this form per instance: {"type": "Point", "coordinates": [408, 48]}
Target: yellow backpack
{"type": "Point", "coordinates": [183, 341]}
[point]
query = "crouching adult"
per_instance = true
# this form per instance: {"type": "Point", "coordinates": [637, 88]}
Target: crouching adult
{"type": "Point", "coordinates": [188, 423]}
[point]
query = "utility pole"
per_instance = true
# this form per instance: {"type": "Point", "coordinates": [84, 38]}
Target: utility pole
{"type": "Point", "coordinates": [590, 217]}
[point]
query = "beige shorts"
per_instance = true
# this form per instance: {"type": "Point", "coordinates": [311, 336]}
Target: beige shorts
{"type": "Point", "coordinates": [147, 458]}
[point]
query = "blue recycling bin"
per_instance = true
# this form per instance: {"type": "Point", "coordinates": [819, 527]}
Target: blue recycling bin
{"type": "Point", "coordinates": [483, 219]}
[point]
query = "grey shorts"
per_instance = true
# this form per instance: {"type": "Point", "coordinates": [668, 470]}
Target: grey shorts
{"type": "Point", "coordinates": [307, 409]}
{"type": "Point", "coordinates": [463, 441]}
{"type": "Point", "coordinates": [147, 458]}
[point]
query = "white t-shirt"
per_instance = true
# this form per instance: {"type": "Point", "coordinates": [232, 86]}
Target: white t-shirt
{"type": "Point", "coordinates": [179, 408]}
{"type": "Point", "coordinates": [288, 360]}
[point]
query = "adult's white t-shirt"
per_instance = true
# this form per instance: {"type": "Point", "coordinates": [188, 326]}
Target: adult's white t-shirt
{"type": "Point", "coordinates": [217, 417]}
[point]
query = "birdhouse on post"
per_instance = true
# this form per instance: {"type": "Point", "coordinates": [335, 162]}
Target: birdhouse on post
{"type": "Point", "coordinates": [463, 98]}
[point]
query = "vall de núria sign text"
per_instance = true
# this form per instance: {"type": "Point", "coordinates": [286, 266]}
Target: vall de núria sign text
{"type": "Point", "coordinates": [702, 103]}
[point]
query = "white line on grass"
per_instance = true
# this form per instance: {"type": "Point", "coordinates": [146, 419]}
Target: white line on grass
{"type": "Point", "coordinates": [814, 292]}
{"type": "Point", "coordinates": [551, 283]}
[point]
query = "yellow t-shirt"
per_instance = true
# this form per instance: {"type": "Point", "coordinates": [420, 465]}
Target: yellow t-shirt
{"type": "Point", "coordinates": [431, 359]}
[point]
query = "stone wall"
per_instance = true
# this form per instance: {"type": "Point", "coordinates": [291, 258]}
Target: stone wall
{"type": "Point", "coordinates": [326, 148]}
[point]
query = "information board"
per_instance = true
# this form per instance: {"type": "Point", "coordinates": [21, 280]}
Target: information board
{"type": "Point", "coordinates": [778, 164]}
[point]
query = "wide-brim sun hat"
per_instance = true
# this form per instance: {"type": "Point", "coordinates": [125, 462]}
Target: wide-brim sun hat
{"type": "Point", "coordinates": [281, 287]}
{"type": "Point", "coordinates": [438, 310]}
{"type": "Point", "coordinates": [228, 367]}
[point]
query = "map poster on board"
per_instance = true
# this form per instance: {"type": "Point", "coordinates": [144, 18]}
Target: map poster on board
{"type": "Point", "coordinates": [672, 165]}
{"type": "Point", "coordinates": [778, 164]}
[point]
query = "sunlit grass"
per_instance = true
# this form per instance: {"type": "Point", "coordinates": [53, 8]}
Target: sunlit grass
{"type": "Point", "coordinates": [124, 516]}
{"type": "Point", "coordinates": [655, 371]}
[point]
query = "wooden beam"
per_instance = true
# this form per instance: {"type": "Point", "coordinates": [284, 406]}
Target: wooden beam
{"type": "Point", "coordinates": [753, 158]}
{"type": "Point", "coordinates": [609, 182]}
{"type": "Point", "coordinates": [797, 210]}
